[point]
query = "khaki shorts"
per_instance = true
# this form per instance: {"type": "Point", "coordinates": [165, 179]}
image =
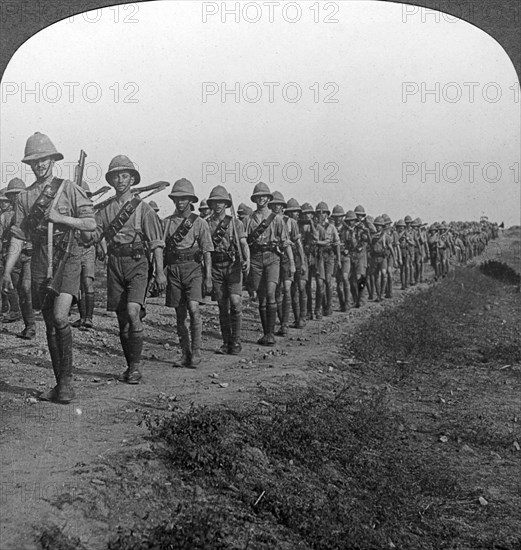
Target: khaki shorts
{"type": "Point", "coordinates": [127, 280]}
{"type": "Point", "coordinates": [184, 283]}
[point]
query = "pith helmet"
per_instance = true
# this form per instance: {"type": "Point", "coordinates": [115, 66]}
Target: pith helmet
{"type": "Point", "coordinates": [39, 146]}
{"type": "Point", "coordinates": [370, 219]}
{"type": "Point", "coordinates": [243, 209]}
{"type": "Point", "coordinates": [360, 210]}
{"type": "Point", "coordinates": [277, 198]}
{"type": "Point", "coordinates": [293, 206]}
{"type": "Point", "coordinates": [203, 205]}
{"type": "Point", "coordinates": [183, 188]}
{"type": "Point", "coordinates": [322, 207]}
{"type": "Point", "coordinates": [307, 208]}
{"type": "Point", "coordinates": [219, 194]}
{"type": "Point", "coordinates": [261, 190]}
{"type": "Point", "coordinates": [121, 163]}
{"type": "Point", "coordinates": [350, 216]}
{"type": "Point", "coordinates": [379, 220]}
{"type": "Point", "coordinates": [338, 211]}
{"type": "Point", "coordinates": [400, 223]}
{"type": "Point", "coordinates": [407, 219]}
{"type": "Point", "coordinates": [15, 186]}
{"type": "Point", "coordinates": [154, 206]}
{"type": "Point", "coordinates": [387, 219]}
{"type": "Point", "coordinates": [417, 222]}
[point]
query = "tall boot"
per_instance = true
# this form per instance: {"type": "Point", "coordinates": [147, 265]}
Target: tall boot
{"type": "Point", "coordinates": [64, 339]}
{"type": "Point", "coordinates": [184, 343]}
{"type": "Point", "coordinates": [89, 309]}
{"type": "Point", "coordinates": [196, 330]}
{"type": "Point", "coordinates": [236, 321]}
{"type": "Point", "coordinates": [29, 332]}
{"type": "Point", "coordinates": [81, 310]}
{"type": "Point", "coordinates": [271, 319]}
{"type": "Point", "coordinates": [54, 352]}
{"type": "Point", "coordinates": [264, 321]}
{"type": "Point", "coordinates": [135, 348]}
{"type": "Point", "coordinates": [225, 323]}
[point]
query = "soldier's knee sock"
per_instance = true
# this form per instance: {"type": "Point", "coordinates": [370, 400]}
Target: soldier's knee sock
{"type": "Point", "coordinates": [286, 307]}
{"type": "Point", "coordinates": [14, 301]}
{"type": "Point", "coordinates": [329, 296]}
{"type": "Point", "coordinates": [225, 322]}
{"type": "Point", "coordinates": [236, 320]}
{"type": "Point", "coordinates": [264, 318]}
{"type": "Point", "coordinates": [89, 305]}
{"type": "Point", "coordinates": [295, 303]}
{"type": "Point", "coordinates": [303, 298]}
{"type": "Point", "coordinates": [81, 306]}
{"type": "Point", "coordinates": [123, 338]}
{"type": "Point", "coordinates": [54, 352]}
{"type": "Point", "coordinates": [64, 341]}
{"type": "Point", "coordinates": [280, 308]}
{"type": "Point", "coordinates": [196, 328]}
{"type": "Point", "coordinates": [26, 306]}
{"type": "Point", "coordinates": [135, 348]}
{"type": "Point", "coordinates": [271, 317]}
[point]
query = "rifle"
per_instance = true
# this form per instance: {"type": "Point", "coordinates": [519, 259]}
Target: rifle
{"type": "Point", "coordinates": [63, 253]}
{"type": "Point", "coordinates": [235, 232]}
{"type": "Point", "coordinates": [100, 191]}
{"type": "Point", "coordinates": [153, 188]}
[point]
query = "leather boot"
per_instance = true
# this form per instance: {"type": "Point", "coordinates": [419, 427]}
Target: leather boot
{"type": "Point", "coordinates": [64, 339]}
{"type": "Point", "coordinates": [29, 332]}
{"type": "Point", "coordinates": [225, 323]}
{"type": "Point", "coordinates": [236, 320]}
{"type": "Point", "coordinates": [196, 329]}
{"type": "Point", "coordinates": [184, 343]}
{"type": "Point", "coordinates": [54, 352]}
{"type": "Point", "coordinates": [89, 309]}
{"type": "Point", "coordinates": [135, 348]}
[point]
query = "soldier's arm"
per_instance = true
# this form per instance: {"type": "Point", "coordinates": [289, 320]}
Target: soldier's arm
{"type": "Point", "coordinates": [204, 239]}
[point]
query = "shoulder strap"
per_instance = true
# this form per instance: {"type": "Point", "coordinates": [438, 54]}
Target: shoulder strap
{"type": "Point", "coordinates": [121, 218]}
{"type": "Point", "coordinates": [220, 231]}
{"type": "Point", "coordinates": [259, 230]}
{"type": "Point", "coordinates": [182, 231]}
{"type": "Point", "coordinates": [42, 203]}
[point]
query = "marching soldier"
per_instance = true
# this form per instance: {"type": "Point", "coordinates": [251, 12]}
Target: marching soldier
{"type": "Point", "coordinates": [342, 273]}
{"type": "Point", "coordinates": [267, 233]}
{"type": "Point", "coordinates": [298, 286]}
{"type": "Point", "coordinates": [404, 242]}
{"type": "Point", "coordinates": [419, 250]}
{"type": "Point", "coordinates": [381, 250]}
{"type": "Point", "coordinates": [204, 209]}
{"type": "Point", "coordinates": [311, 233]}
{"type": "Point", "coordinates": [227, 269]}
{"type": "Point", "coordinates": [361, 237]}
{"type": "Point", "coordinates": [394, 259]}
{"type": "Point", "coordinates": [329, 247]}
{"type": "Point", "coordinates": [243, 211]}
{"type": "Point", "coordinates": [66, 206]}
{"type": "Point", "coordinates": [432, 242]}
{"type": "Point", "coordinates": [187, 243]}
{"type": "Point", "coordinates": [130, 229]}
{"type": "Point", "coordinates": [88, 263]}
{"type": "Point", "coordinates": [346, 235]}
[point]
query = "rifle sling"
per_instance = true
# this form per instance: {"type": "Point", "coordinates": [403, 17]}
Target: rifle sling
{"type": "Point", "coordinates": [39, 208]}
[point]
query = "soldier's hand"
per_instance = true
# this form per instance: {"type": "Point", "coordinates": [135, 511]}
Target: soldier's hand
{"type": "Point", "coordinates": [161, 281]}
{"type": "Point", "coordinates": [208, 286]}
{"type": "Point", "coordinates": [245, 266]}
{"type": "Point", "coordinates": [292, 269]}
{"type": "Point", "coordinates": [52, 215]}
{"type": "Point", "coordinates": [7, 283]}
{"type": "Point", "coordinates": [100, 254]}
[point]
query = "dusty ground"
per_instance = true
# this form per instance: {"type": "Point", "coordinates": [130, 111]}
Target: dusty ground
{"type": "Point", "coordinates": [52, 454]}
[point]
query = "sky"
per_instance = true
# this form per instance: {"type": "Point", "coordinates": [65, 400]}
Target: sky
{"type": "Point", "coordinates": [373, 103]}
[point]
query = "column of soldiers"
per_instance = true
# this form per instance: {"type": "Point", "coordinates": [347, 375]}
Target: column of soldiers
{"type": "Point", "coordinates": [289, 258]}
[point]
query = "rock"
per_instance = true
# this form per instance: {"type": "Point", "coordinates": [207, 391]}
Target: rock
{"type": "Point", "coordinates": [15, 361]}
{"type": "Point", "coordinates": [167, 346]}
{"type": "Point", "coordinates": [467, 449]}
{"type": "Point", "coordinates": [444, 438]}
{"type": "Point", "coordinates": [223, 384]}
{"type": "Point", "coordinates": [213, 375]}
{"type": "Point", "coordinates": [98, 482]}
{"type": "Point", "coordinates": [483, 501]}
{"type": "Point", "coordinates": [517, 447]}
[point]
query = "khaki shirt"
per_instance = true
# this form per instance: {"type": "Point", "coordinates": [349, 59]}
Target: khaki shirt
{"type": "Point", "coordinates": [229, 236]}
{"type": "Point", "coordinates": [331, 234]}
{"type": "Point", "coordinates": [276, 233]}
{"type": "Point", "coordinates": [142, 226]}
{"type": "Point", "coordinates": [198, 235]}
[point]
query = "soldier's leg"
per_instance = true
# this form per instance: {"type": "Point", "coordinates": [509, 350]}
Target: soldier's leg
{"type": "Point", "coordinates": [309, 294]}
{"type": "Point", "coordinates": [89, 301]}
{"type": "Point", "coordinates": [14, 314]}
{"type": "Point", "coordinates": [196, 332]}
{"type": "Point", "coordinates": [183, 335]}
{"type": "Point", "coordinates": [286, 306]}
{"type": "Point", "coordinates": [339, 279]}
{"type": "Point", "coordinates": [225, 323]}
{"type": "Point", "coordinates": [236, 321]}
{"type": "Point", "coordinates": [353, 283]}
{"type": "Point", "coordinates": [61, 308]}
{"type": "Point", "coordinates": [295, 299]}
{"type": "Point", "coordinates": [54, 352]}
{"type": "Point", "coordinates": [130, 322]}
{"type": "Point", "coordinates": [26, 302]}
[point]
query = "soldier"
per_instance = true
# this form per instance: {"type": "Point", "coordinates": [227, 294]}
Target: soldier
{"type": "Point", "coordinates": [227, 269]}
{"type": "Point", "coordinates": [88, 263]}
{"type": "Point", "coordinates": [419, 251]}
{"type": "Point", "coordinates": [361, 235]}
{"type": "Point", "coordinates": [404, 245]}
{"type": "Point", "coordinates": [409, 232]}
{"type": "Point", "coordinates": [329, 247]}
{"type": "Point", "coordinates": [298, 286]}
{"type": "Point", "coordinates": [283, 293]}
{"type": "Point", "coordinates": [311, 234]}
{"type": "Point", "coordinates": [21, 275]}
{"type": "Point", "coordinates": [394, 259]}
{"type": "Point", "coordinates": [5, 219]}
{"type": "Point", "coordinates": [381, 250]}
{"type": "Point", "coordinates": [66, 206]}
{"type": "Point", "coordinates": [243, 211]}
{"type": "Point", "coordinates": [267, 234]}
{"type": "Point", "coordinates": [204, 209]}
{"type": "Point", "coordinates": [130, 229]}
{"type": "Point", "coordinates": [342, 274]}
{"type": "Point", "coordinates": [188, 242]}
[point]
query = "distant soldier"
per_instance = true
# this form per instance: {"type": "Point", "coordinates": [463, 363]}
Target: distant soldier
{"type": "Point", "coordinates": [403, 242]}
{"type": "Point", "coordinates": [348, 247]}
{"type": "Point", "coordinates": [243, 211]}
{"type": "Point", "coordinates": [66, 206]}
{"type": "Point", "coordinates": [371, 267]}
{"type": "Point", "coordinates": [409, 258]}
{"type": "Point", "coordinates": [445, 249]}
{"type": "Point", "coordinates": [329, 247]}
{"type": "Point", "coordinates": [88, 269]}
{"type": "Point", "coordinates": [227, 269]}
{"type": "Point", "coordinates": [311, 234]}
{"type": "Point", "coordinates": [381, 249]}
{"type": "Point", "coordinates": [298, 286]}
{"type": "Point", "coordinates": [419, 251]}
{"type": "Point", "coordinates": [204, 209]}
{"type": "Point", "coordinates": [433, 238]}
{"type": "Point", "coordinates": [394, 258]}
{"type": "Point", "coordinates": [188, 241]}
{"type": "Point", "coordinates": [267, 235]}
{"type": "Point", "coordinates": [342, 273]}
{"type": "Point", "coordinates": [361, 237]}
{"type": "Point", "coordinates": [130, 229]}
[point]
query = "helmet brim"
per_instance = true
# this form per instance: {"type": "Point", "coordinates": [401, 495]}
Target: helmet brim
{"type": "Point", "coordinates": [37, 156]}
{"type": "Point", "coordinates": [132, 171]}
{"type": "Point", "coordinates": [255, 195]}
{"type": "Point", "coordinates": [181, 195]}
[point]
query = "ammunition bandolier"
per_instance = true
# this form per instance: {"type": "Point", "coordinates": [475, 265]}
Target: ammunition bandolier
{"type": "Point", "coordinates": [172, 254]}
